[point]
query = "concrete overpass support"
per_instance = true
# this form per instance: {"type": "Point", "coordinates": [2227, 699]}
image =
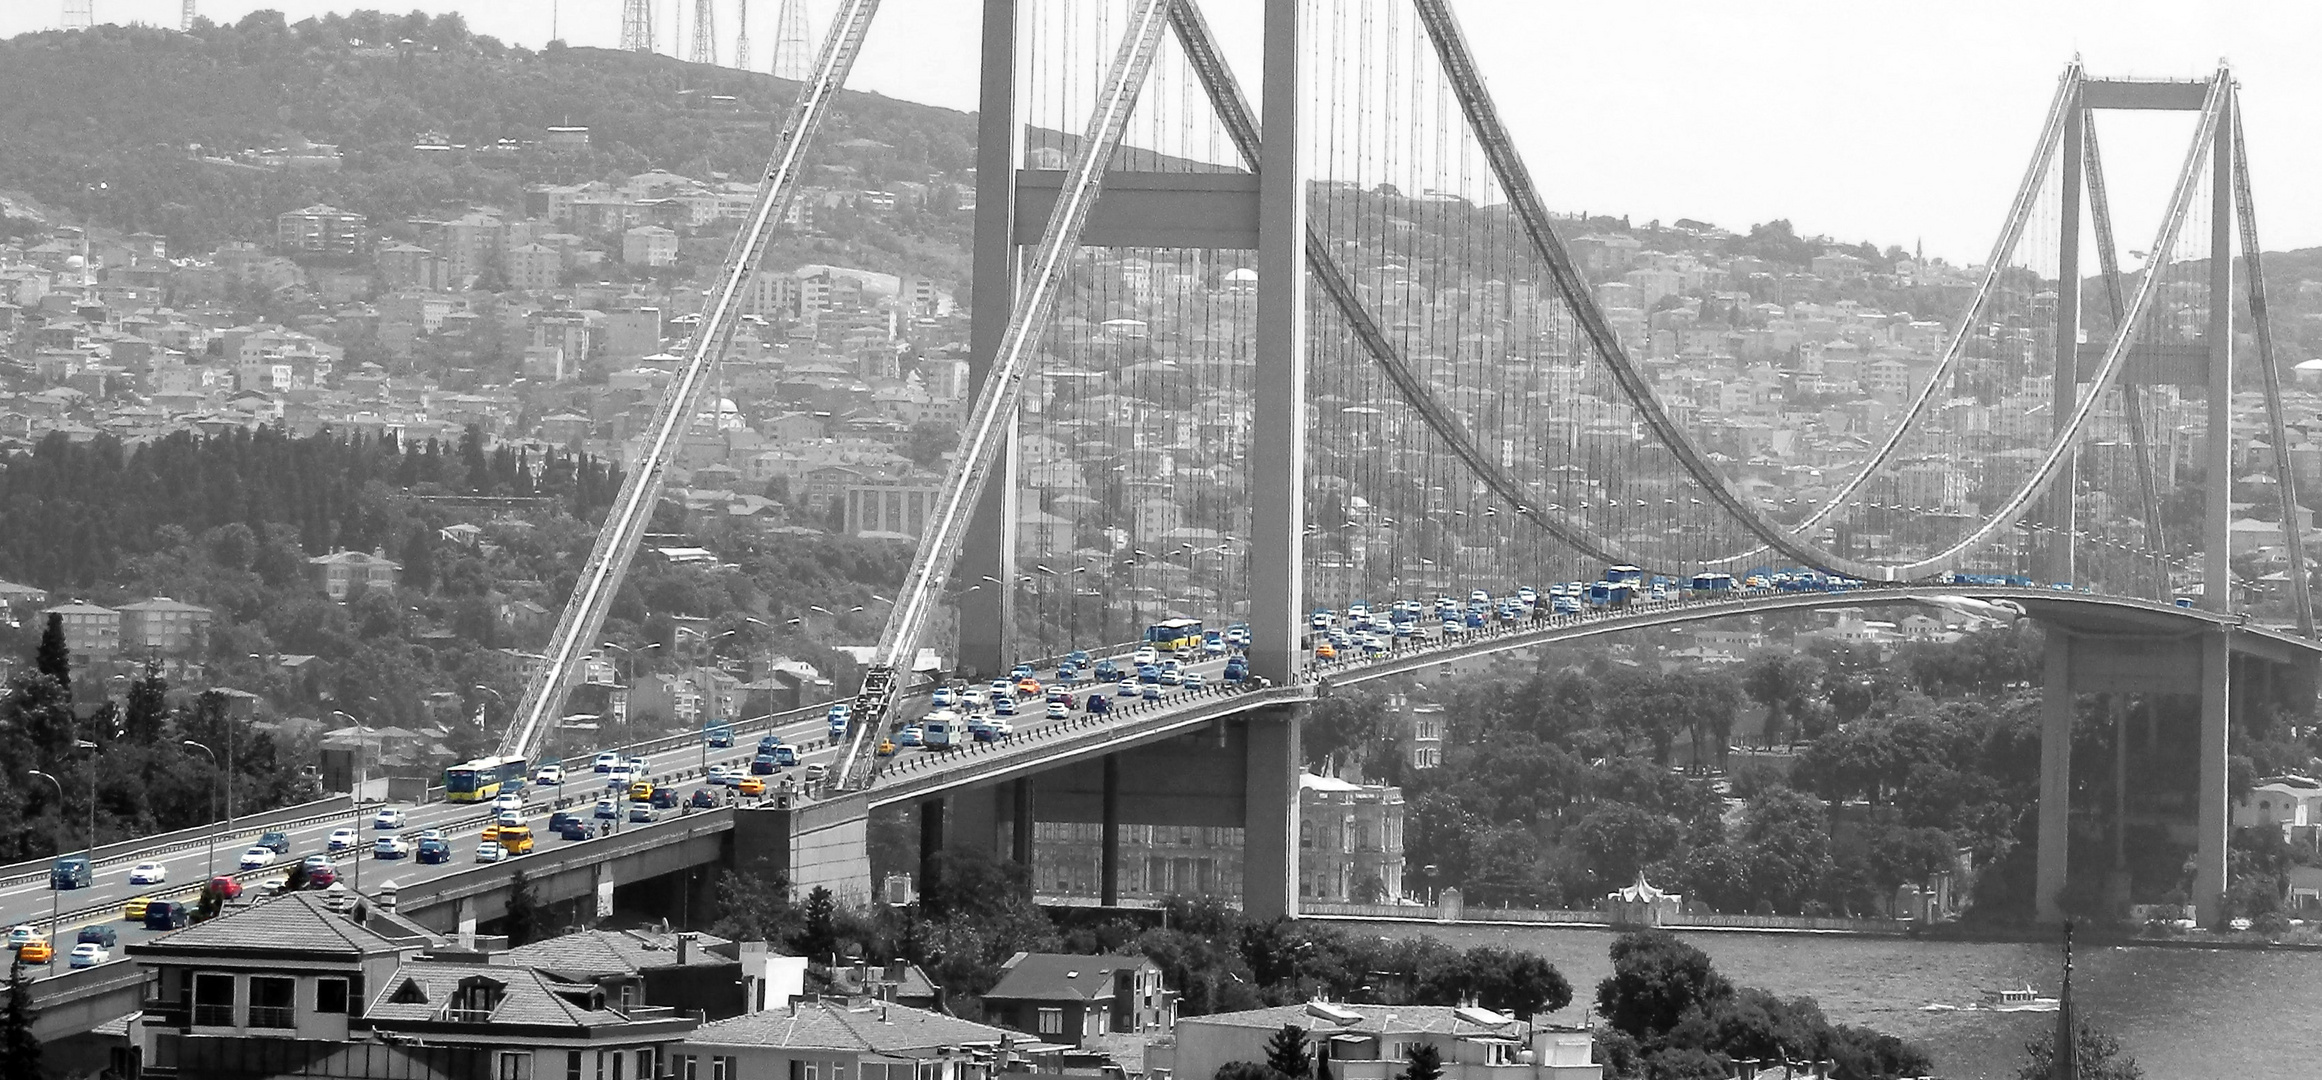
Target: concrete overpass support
{"type": "Point", "coordinates": [1109, 857]}
{"type": "Point", "coordinates": [467, 914]}
{"type": "Point", "coordinates": [2049, 871]}
{"type": "Point", "coordinates": [823, 844]}
{"type": "Point", "coordinates": [2212, 816]}
{"type": "Point", "coordinates": [601, 885]}
{"type": "Point", "coordinates": [1270, 814]}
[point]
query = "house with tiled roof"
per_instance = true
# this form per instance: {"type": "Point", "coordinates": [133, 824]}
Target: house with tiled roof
{"type": "Point", "coordinates": [518, 1023]}
{"type": "Point", "coordinates": [688, 971]}
{"type": "Point", "coordinates": [1370, 1042]}
{"type": "Point", "coordinates": [1067, 997]}
{"type": "Point", "coordinates": [849, 1040]}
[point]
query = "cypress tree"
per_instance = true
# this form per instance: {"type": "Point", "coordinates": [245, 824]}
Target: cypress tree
{"type": "Point", "coordinates": [19, 1048]}
{"type": "Point", "coordinates": [55, 658]}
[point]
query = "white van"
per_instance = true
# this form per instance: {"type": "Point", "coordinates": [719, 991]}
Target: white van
{"type": "Point", "coordinates": [942, 730]}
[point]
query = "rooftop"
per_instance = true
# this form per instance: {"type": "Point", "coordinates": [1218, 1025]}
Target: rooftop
{"type": "Point", "coordinates": [1061, 976]}
{"type": "Point", "coordinates": [612, 952]}
{"type": "Point", "coordinates": [821, 1025]}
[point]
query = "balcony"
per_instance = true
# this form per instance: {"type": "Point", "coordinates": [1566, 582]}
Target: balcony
{"type": "Point", "coordinates": [168, 1013]}
{"type": "Point", "coordinates": [273, 1016]}
{"type": "Point", "coordinates": [213, 1016]}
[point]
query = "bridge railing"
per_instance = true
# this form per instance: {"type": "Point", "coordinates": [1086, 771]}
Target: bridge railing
{"type": "Point", "coordinates": [187, 839]}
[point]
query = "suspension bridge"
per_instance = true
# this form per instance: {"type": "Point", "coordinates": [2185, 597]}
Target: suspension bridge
{"type": "Point", "coordinates": [1245, 351]}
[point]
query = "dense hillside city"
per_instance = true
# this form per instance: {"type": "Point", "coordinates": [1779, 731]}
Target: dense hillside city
{"type": "Point", "coordinates": [327, 347]}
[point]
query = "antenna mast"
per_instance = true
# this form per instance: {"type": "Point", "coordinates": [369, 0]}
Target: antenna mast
{"type": "Point", "coordinates": [185, 19]}
{"type": "Point", "coordinates": [78, 14]}
{"type": "Point", "coordinates": [790, 48]}
{"type": "Point", "coordinates": [637, 25]}
{"type": "Point", "coordinates": [705, 41]}
{"type": "Point", "coordinates": [742, 37]}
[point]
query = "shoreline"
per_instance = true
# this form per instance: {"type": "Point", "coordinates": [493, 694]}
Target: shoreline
{"type": "Point", "coordinates": [1949, 932]}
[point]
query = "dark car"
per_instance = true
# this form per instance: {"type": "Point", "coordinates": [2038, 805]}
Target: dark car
{"type": "Point", "coordinates": [70, 872]}
{"type": "Point", "coordinates": [664, 798]}
{"type": "Point", "coordinates": [275, 842]}
{"type": "Point", "coordinates": [763, 764]}
{"type": "Point", "coordinates": [167, 915]}
{"type": "Point", "coordinates": [99, 934]}
{"type": "Point", "coordinates": [721, 737]}
{"type": "Point", "coordinates": [1099, 705]}
{"type": "Point", "coordinates": [435, 851]}
{"type": "Point", "coordinates": [557, 821]}
{"type": "Point", "coordinates": [572, 829]}
{"type": "Point", "coordinates": [703, 799]}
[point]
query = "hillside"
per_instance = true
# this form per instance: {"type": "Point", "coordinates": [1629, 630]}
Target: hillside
{"type": "Point", "coordinates": [153, 130]}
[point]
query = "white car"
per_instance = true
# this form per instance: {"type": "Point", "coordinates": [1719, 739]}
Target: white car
{"type": "Point", "coordinates": [342, 840]}
{"type": "Point", "coordinates": [89, 954]}
{"type": "Point", "coordinates": [388, 817]}
{"type": "Point", "coordinates": [148, 873]}
{"type": "Point", "coordinates": [608, 761]}
{"type": "Point", "coordinates": [719, 775]}
{"type": "Point", "coordinates": [639, 767]}
{"type": "Point", "coordinates": [509, 817]}
{"type": "Point", "coordinates": [619, 777]}
{"type": "Point", "coordinates": [431, 834]}
{"type": "Point", "coordinates": [21, 935]}
{"type": "Point", "coordinates": [550, 775]}
{"type": "Point", "coordinates": [509, 800]}
{"type": "Point", "coordinates": [1057, 711]}
{"type": "Point", "coordinates": [490, 852]}
{"type": "Point", "coordinates": [390, 847]}
{"type": "Point", "coordinates": [945, 697]}
{"type": "Point", "coordinates": [1144, 656]}
{"type": "Point", "coordinates": [257, 858]}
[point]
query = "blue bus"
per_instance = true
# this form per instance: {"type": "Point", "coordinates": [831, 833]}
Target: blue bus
{"type": "Point", "coordinates": [482, 779]}
{"type": "Point", "coordinates": [1611, 594]}
{"type": "Point", "coordinates": [1624, 575]}
{"type": "Point", "coordinates": [1711, 583]}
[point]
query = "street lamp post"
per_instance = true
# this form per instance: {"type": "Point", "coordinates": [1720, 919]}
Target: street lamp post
{"type": "Point", "coordinates": [355, 800]}
{"type": "Point", "coordinates": [213, 756]}
{"type": "Point", "coordinates": [54, 893]}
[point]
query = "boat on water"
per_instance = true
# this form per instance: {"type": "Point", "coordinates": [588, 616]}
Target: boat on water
{"type": "Point", "coordinates": [2024, 1000]}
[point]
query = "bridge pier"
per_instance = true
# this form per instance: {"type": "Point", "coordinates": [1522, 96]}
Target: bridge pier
{"type": "Point", "coordinates": [2201, 668]}
{"type": "Point", "coordinates": [823, 844]}
{"type": "Point", "coordinates": [601, 884]}
{"type": "Point", "coordinates": [465, 916]}
{"type": "Point", "coordinates": [1270, 814]}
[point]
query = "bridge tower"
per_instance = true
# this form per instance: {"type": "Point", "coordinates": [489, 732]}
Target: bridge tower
{"type": "Point", "coordinates": [792, 45]}
{"type": "Point", "coordinates": [742, 36]}
{"type": "Point", "coordinates": [185, 19]}
{"type": "Point", "coordinates": [705, 33]}
{"type": "Point", "coordinates": [79, 14]}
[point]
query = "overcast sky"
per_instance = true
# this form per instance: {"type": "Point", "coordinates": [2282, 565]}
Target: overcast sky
{"type": "Point", "coordinates": [1891, 122]}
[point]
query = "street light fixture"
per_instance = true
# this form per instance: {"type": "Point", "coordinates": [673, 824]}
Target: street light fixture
{"type": "Point", "coordinates": [213, 756]}
{"type": "Point", "coordinates": [53, 891]}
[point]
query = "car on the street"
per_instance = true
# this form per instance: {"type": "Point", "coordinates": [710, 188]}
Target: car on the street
{"type": "Point", "coordinates": [257, 858]}
{"type": "Point", "coordinates": [1144, 656]}
{"type": "Point", "coordinates": [620, 778]}
{"type": "Point", "coordinates": [1127, 688]}
{"type": "Point", "coordinates": [1107, 671]}
{"type": "Point", "coordinates": [608, 810]}
{"type": "Point", "coordinates": [341, 840]}
{"type": "Point", "coordinates": [167, 915]}
{"type": "Point", "coordinates": [549, 775]}
{"type": "Point", "coordinates": [506, 818]}
{"type": "Point", "coordinates": [702, 799]}
{"type": "Point", "coordinates": [70, 872]}
{"type": "Point", "coordinates": [1099, 705]}
{"type": "Point", "coordinates": [88, 954]}
{"type": "Point", "coordinates": [431, 834]}
{"type": "Point", "coordinates": [390, 847]}
{"type": "Point", "coordinates": [388, 817]}
{"type": "Point", "coordinates": [816, 771]}
{"type": "Point", "coordinates": [642, 813]}
{"type": "Point", "coordinates": [134, 909]}
{"type": "Point", "coordinates": [516, 838]}
{"type": "Point", "coordinates": [719, 775]}
{"type": "Point", "coordinates": [21, 934]}
{"type": "Point", "coordinates": [1195, 681]}
{"type": "Point", "coordinates": [509, 800]}
{"type": "Point", "coordinates": [432, 851]}
{"type": "Point", "coordinates": [322, 877]}
{"type": "Point", "coordinates": [490, 851]}
{"type": "Point", "coordinates": [1153, 692]}
{"type": "Point", "coordinates": [911, 735]}
{"type": "Point", "coordinates": [607, 761]}
{"type": "Point", "coordinates": [36, 951]}
{"type": "Point", "coordinates": [316, 862]}
{"type": "Point", "coordinates": [99, 934]}
{"type": "Point", "coordinates": [574, 829]}
{"type": "Point", "coordinates": [886, 748]}
{"type": "Point", "coordinates": [1057, 711]}
{"type": "Point", "coordinates": [994, 731]}
{"type": "Point", "coordinates": [945, 697]}
{"type": "Point", "coordinates": [148, 873]}
{"type": "Point", "coordinates": [558, 820]}
{"type": "Point", "coordinates": [721, 737]}
{"type": "Point", "coordinates": [639, 768]}
{"type": "Point", "coordinates": [1003, 706]}
{"type": "Point", "coordinates": [751, 787]}
{"type": "Point", "coordinates": [276, 842]}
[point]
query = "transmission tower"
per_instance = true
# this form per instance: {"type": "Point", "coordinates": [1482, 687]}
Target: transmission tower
{"type": "Point", "coordinates": [791, 51]}
{"type": "Point", "coordinates": [705, 38]}
{"type": "Point", "coordinates": [185, 20]}
{"type": "Point", "coordinates": [637, 25]}
{"type": "Point", "coordinates": [77, 14]}
{"type": "Point", "coordinates": [742, 36]}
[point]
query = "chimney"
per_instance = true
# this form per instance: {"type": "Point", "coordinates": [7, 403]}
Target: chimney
{"type": "Point", "coordinates": [895, 970]}
{"type": "Point", "coordinates": [685, 947]}
{"type": "Point", "coordinates": [862, 975]}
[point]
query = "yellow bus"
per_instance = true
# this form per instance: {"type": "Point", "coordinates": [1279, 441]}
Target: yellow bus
{"type": "Point", "coordinates": [1170, 635]}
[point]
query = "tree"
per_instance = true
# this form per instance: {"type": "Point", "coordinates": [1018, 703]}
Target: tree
{"type": "Point", "coordinates": [819, 936]}
{"type": "Point", "coordinates": [2099, 1054]}
{"type": "Point", "coordinates": [148, 708]}
{"type": "Point", "coordinates": [1655, 979]}
{"type": "Point", "coordinates": [19, 1048]}
{"type": "Point", "coordinates": [1245, 1070]}
{"type": "Point", "coordinates": [930, 440]}
{"type": "Point", "coordinates": [419, 559]}
{"type": "Point", "coordinates": [1286, 1052]}
{"type": "Point", "coordinates": [754, 907]}
{"type": "Point", "coordinates": [1422, 1062]}
{"type": "Point", "coordinates": [55, 658]}
{"type": "Point", "coordinates": [522, 923]}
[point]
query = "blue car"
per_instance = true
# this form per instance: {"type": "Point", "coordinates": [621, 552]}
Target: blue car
{"type": "Point", "coordinates": [1077, 658]}
{"type": "Point", "coordinates": [1107, 671]}
{"type": "Point", "coordinates": [1098, 704]}
{"type": "Point", "coordinates": [1149, 674]}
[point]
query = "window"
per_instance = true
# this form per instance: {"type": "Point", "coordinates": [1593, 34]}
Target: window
{"type": "Point", "coordinates": [813, 1071]}
{"type": "Point", "coordinates": [273, 1001]}
{"type": "Point", "coordinates": [515, 1065]}
{"type": "Point", "coordinates": [213, 999]}
{"type": "Point", "coordinates": [572, 1065]}
{"type": "Point", "coordinates": [684, 1067]}
{"type": "Point", "coordinates": [645, 1063]}
{"type": "Point", "coordinates": [1051, 1023]}
{"type": "Point", "coordinates": [330, 996]}
{"type": "Point", "coordinates": [618, 1063]}
{"type": "Point", "coordinates": [722, 1068]}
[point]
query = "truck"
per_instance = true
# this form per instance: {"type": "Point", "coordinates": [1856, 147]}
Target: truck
{"type": "Point", "coordinates": [942, 730]}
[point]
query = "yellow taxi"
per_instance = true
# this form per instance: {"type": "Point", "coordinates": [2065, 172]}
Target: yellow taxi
{"type": "Point", "coordinates": [491, 834]}
{"type": "Point", "coordinates": [1326, 651]}
{"type": "Point", "coordinates": [134, 910]}
{"type": "Point", "coordinates": [1028, 687]}
{"type": "Point", "coordinates": [35, 951]}
{"type": "Point", "coordinates": [516, 839]}
{"type": "Point", "coordinates": [641, 791]}
{"type": "Point", "coordinates": [886, 748]}
{"type": "Point", "coordinates": [751, 785]}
